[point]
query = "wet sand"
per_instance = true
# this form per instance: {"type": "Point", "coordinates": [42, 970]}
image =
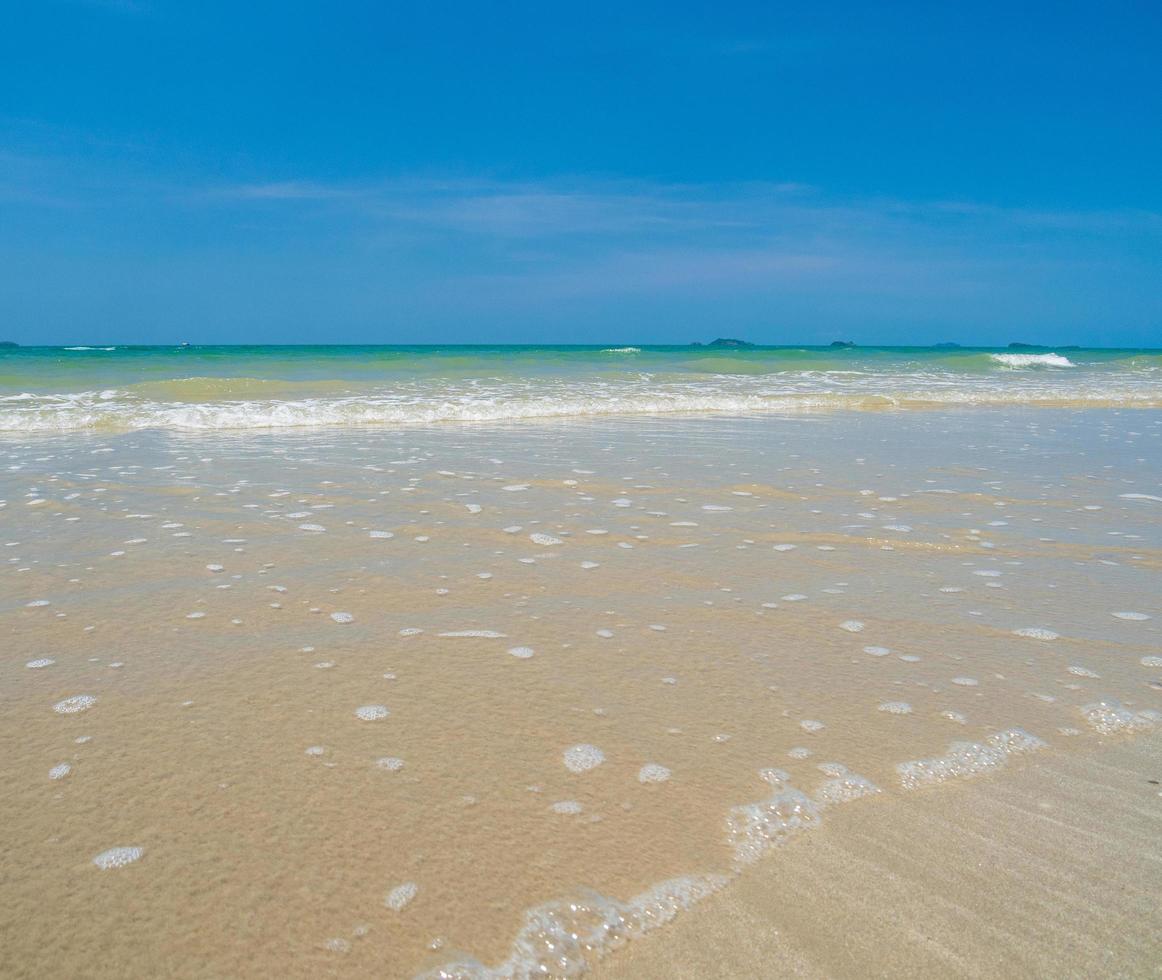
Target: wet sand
{"type": "Point", "coordinates": [749, 692]}
{"type": "Point", "coordinates": [1050, 871]}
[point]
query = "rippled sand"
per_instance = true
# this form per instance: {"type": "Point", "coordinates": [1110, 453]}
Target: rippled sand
{"type": "Point", "coordinates": [378, 703]}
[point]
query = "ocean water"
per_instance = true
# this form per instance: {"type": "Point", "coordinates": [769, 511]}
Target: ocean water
{"type": "Point", "coordinates": [294, 683]}
{"type": "Point", "coordinates": [197, 388]}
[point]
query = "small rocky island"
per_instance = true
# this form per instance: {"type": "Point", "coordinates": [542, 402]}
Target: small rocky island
{"type": "Point", "coordinates": [724, 342]}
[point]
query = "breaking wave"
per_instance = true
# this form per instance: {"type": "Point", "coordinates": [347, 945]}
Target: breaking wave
{"type": "Point", "coordinates": [1032, 360]}
{"type": "Point", "coordinates": [426, 404]}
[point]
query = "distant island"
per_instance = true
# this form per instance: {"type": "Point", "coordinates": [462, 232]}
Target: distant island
{"type": "Point", "coordinates": [947, 345]}
{"type": "Point", "coordinates": [724, 342]}
{"type": "Point", "coordinates": [8, 343]}
{"type": "Point", "coordinates": [842, 344]}
{"type": "Point", "coordinates": [1020, 346]}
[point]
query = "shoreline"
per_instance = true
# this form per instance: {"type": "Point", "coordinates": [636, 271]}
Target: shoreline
{"type": "Point", "coordinates": [359, 704]}
{"type": "Point", "coordinates": [1010, 874]}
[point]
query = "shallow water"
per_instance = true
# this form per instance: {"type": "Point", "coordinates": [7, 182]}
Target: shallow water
{"type": "Point", "coordinates": [52, 389]}
{"type": "Point", "coordinates": [354, 701]}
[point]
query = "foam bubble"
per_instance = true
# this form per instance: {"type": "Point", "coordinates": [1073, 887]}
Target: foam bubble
{"type": "Point", "coordinates": [40, 663]}
{"type": "Point", "coordinates": [851, 626]}
{"type": "Point", "coordinates": [371, 712]}
{"type": "Point", "coordinates": [477, 634]}
{"type": "Point", "coordinates": [75, 704]}
{"type": "Point", "coordinates": [521, 653]}
{"type": "Point", "coordinates": [60, 771]}
{"type": "Point", "coordinates": [896, 707]}
{"type": "Point", "coordinates": [401, 896]}
{"type": "Point", "coordinates": [652, 772]}
{"type": "Point", "coordinates": [544, 539]}
{"type": "Point", "coordinates": [1151, 661]}
{"type": "Point", "coordinates": [342, 617]}
{"type": "Point", "coordinates": [844, 787]}
{"type": "Point", "coordinates": [754, 828]}
{"type": "Point", "coordinates": [117, 857]}
{"type": "Point", "coordinates": [1110, 717]}
{"type": "Point", "coordinates": [566, 938]}
{"type": "Point", "coordinates": [1133, 617]}
{"type": "Point", "coordinates": [389, 764]}
{"type": "Point", "coordinates": [877, 651]}
{"type": "Point", "coordinates": [1036, 633]}
{"type": "Point", "coordinates": [582, 758]}
{"type": "Point", "coordinates": [967, 759]}
{"type": "Point", "coordinates": [566, 807]}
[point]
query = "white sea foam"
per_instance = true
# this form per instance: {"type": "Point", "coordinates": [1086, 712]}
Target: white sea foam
{"type": "Point", "coordinates": [371, 712]}
{"type": "Point", "coordinates": [75, 704]}
{"type": "Point", "coordinates": [117, 857]}
{"type": "Point", "coordinates": [1110, 717]}
{"type": "Point", "coordinates": [582, 758]}
{"type": "Point", "coordinates": [1033, 360]}
{"type": "Point", "coordinates": [753, 828]}
{"type": "Point", "coordinates": [843, 787]}
{"type": "Point", "coordinates": [566, 938]}
{"type": "Point", "coordinates": [478, 634]}
{"type": "Point", "coordinates": [401, 896]}
{"type": "Point", "coordinates": [1036, 633]}
{"type": "Point", "coordinates": [967, 759]}
{"type": "Point", "coordinates": [566, 807]}
{"type": "Point", "coordinates": [652, 772]}
{"type": "Point", "coordinates": [424, 402]}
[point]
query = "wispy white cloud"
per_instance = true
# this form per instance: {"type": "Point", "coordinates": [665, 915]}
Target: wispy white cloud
{"type": "Point", "coordinates": [457, 247]}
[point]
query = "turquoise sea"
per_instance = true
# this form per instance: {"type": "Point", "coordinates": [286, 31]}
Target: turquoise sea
{"type": "Point", "coordinates": [247, 387]}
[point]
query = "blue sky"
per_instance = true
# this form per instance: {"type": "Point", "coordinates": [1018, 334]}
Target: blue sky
{"type": "Point", "coordinates": [520, 172]}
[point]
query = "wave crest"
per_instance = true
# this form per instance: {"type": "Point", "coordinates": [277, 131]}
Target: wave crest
{"type": "Point", "coordinates": [417, 405]}
{"type": "Point", "coordinates": [1033, 360]}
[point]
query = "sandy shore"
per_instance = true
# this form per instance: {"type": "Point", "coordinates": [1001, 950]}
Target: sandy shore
{"type": "Point", "coordinates": [838, 696]}
{"type": "Point", "coordinates": [1053, 869]}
